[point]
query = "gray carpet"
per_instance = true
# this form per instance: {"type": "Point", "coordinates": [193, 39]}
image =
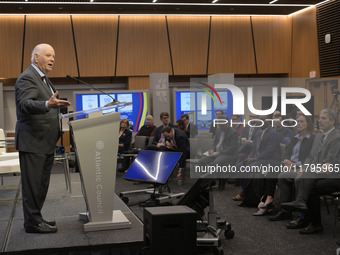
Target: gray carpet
{"type": "Point", "coordinates": [253, 235]}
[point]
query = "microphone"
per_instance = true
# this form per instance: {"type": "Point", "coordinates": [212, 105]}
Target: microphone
{"type": "Point", "coordinates": [114, 101]}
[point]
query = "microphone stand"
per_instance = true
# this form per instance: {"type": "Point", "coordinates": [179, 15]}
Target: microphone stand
{"type": "Point", "coordinates": [114, 101]}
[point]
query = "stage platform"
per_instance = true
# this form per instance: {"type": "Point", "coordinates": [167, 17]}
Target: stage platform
{"type": "Point", "coordinates": [64, 208]}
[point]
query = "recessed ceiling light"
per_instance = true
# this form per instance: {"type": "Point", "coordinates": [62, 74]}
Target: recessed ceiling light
{"type": "Point", "coordinates": [273, 1]}
{"type": "Point", "coordinates": [154, 1]}
{"type": "Point", "coordinates": [214, 1]}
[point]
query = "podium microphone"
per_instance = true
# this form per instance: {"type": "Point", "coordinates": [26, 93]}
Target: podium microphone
{"type": "Point", "coordinates": [114, 101]}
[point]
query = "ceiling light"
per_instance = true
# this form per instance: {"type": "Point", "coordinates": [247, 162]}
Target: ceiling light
{"type": "Point", "coordinates": [273, 1]}
{"type": "Point", "coordinates": [154, 1]}
{"type": "Point", "coordinates": [214, 1]}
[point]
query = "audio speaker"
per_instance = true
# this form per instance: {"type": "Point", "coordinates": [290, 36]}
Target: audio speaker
{"type": "Point", "coordinates": [170, 230]}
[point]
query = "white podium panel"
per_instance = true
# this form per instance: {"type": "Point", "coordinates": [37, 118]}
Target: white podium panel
{"type": "Point", "coordinates": [96, 141]}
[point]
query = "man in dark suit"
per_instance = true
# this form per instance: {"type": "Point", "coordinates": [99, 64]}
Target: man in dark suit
{"type": "Point", "coordinates": [37, 132]}
{"type": "Point", "coordinates": [191, 128]}
{"type": "Point", "coordinates": [323, 157]}
{"type": "Point", "coordinates": [159, 139]}
{"type": "Point", "coordinates": [177, 140]}
{"type": "Point", "coordinates": [224, 150]}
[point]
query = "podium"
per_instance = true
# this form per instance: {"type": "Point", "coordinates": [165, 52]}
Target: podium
{"type": "Point", "coordinates": [96, 142]}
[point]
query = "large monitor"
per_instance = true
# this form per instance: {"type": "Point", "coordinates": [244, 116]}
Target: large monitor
{"type": "Point", "coordinates": [189, 101]}
{"type": "Point", "coordinates": [153, 166]}
{"type": "Point", "coordinates": [136, 112]}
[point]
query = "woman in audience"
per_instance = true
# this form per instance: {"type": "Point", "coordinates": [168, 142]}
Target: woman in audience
{"type": "Point", "coordinates": [295, 154]}
{"type": "Point", "coordinates": [125, 136]}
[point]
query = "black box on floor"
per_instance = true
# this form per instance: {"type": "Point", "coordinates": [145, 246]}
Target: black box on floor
{"type": "Point", "coordinates": [170, 230]}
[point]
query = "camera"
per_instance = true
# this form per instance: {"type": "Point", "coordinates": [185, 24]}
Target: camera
{"type": "Point", "coordinates": [334, 87]}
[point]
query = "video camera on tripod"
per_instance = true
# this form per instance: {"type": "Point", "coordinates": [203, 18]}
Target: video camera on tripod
{"type": "Point", "coordinates": [334, 88]}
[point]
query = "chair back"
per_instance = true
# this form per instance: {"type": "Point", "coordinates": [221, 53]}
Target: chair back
{"type": "Point", "coordinates": [204, 145]}
{"type": "Point", "coordinates": [150, 140]}
{"type": "Point", "coordinates": [140, 142]}
{"type": "Point", "coordinates": [193, 147]}
{"type": "Point", "coordinates": [282, 151]}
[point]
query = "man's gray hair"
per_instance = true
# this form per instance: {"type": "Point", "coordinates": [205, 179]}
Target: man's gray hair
{"type": "Point", "coordinates": [37, 50]}
{"type": "Point", "coordinates": [332, 115]}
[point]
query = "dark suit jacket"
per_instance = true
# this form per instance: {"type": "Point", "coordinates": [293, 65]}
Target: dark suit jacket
{"type": "Point", "coordinates": [192, 130]}
{"type": "Point", "coordinates": [269, 146]}
{"type": "Point", "coordinates": [182, 143]}
{"type": "Point", "coordinates": [229, 144]}
{"type": "Point", "coordinates": [125, 138]}
{"type": "Point", "coordinates": [305, 148]}
{"type": "Point", "coordinates": [37, 130]}
{"type": "Point", "coordinates": [330, 148]}
{"type": "Point", "coordinates": [158, 133]}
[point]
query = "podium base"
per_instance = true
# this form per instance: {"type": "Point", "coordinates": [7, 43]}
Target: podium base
{"type": "Point", "coordinates": [119, 221]}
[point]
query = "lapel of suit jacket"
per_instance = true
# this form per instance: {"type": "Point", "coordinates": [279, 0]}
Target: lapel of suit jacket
{"type": "Point", "coordinates": [42, 86]}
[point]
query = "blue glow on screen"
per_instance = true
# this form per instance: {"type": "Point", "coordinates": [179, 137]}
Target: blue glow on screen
{"type": "Point", "coordinates": [153, 166]}
{"type": "Point", "coordinates": [135, 113]}
{"type": "Point", "coordinates": [190, 102]}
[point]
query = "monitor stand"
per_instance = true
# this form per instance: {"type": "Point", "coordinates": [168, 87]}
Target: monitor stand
{"type": "Point", "coordinates": [159, 195]}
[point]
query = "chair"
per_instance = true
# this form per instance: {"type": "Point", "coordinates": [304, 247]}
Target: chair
{"type": "Point", "coordinates": [140, 142]}
{"type": "Point", "coordinates": [150, 140]}
{"type": "Point", "coordinates": [9, 162]}
{"type": "Point", "coordinates": [282, 151]}
{"type": "Point", "coordinates": [202, 146]}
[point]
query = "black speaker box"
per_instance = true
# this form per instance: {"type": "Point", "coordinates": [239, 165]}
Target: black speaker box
{"type": "Point", "coordinates": [170, 230]}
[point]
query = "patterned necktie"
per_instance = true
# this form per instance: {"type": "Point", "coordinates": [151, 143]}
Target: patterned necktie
{"type": "Point", "coordinates": [318, 150]}
{"type": "Point", "coordinates": [44, 78]}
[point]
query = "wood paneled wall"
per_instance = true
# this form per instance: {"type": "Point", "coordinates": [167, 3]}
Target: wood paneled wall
{"type": "Point", "coordinates": [305, 54]}
{"type": "Point", "coordinates": [56, 31]}
{"type": "Point", "coordinates": [231, 46]}
{"type": "Point", "coordinates": [189, 38]}
{"type": "Point", "coordinates": [135, 46]}
{"type": "Point", "coordinates": [96, 41]}
{"type": "Point", "coordinates": [143, 46]}
{"type": "Point", "coordinates": [272, 40]}
{"type": "Point", "coordinates": [11, 34]}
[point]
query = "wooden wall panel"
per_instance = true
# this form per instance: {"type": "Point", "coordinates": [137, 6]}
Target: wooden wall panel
{"type": "Point", "coordinates": [305, 55]}
{"type": "Point", "coordinates": [57, 31]}
{"type": "Point", "coordinates": [189, 38]}
{"type": "Point", "coordinates": [137, 83]}
{"type": "Point", "coordinates": [143, 46]}
{"type": "Point", "coordinates": [11, 34]}
{"type": "Point", "coordinates": [231, 46]}
{"type": "Point", "coordinates": [96, 40]}
{"type": "Point", "coordinates": [272, 38]}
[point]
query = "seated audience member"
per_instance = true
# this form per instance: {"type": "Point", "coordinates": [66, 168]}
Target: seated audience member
{"type": "Point", "coordinates": [285, 134]}
{"type": "Point", "coordinates": [235, 120]}
{"type": "Point", "coordinates": [125, 136]}
{"type": "Point", "coordinates": [247, 137]}
{"type": "Point", "coordinates": [311, 184]}
{"type": "Point", "coordinates": [181, 126]}
{"type": "Point", "coordinates": [148, 129]}
{"type": "Point", "coordinates": [265, 152]}
{"type": "Point", "coordinates": [224, 150]}
{"type": "Point", "coordinates": [213, 128]}
{"type": "Point", "coordinates": [176, 140]}
{"type": "Point", "coordinates": [295, 155]}
{"type": "Point", "coordinates": [191, 128]}
{"type": "Point", "coordinates": [159, 139]}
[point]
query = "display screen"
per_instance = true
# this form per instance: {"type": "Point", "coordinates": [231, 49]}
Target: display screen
{"type": "Point", "coordinates": [135, 113]}
{"type": "Point", "coordinates": [200, 113]}
{"type": "Point", "coordinates": [153, 166]}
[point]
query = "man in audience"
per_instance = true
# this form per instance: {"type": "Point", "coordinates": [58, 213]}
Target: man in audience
{"type": "Point", "coordinates": [148, 129]}
{"type": "Point", "coordinates": [235, 119]}
{"type": "Point", "coordinates": [285, 134]}
{"type": "Point", "coordinates": [213, 128]}
{"type": "Point", "coordinates": [323, 156]}
{"type": "Point", "coordinates": [266, 151]}
{"type": "Point", "coordinates": [224, 150]}
{"type": "Point", "coordinates": [191, 128]}
{"type": "Point", "coordinates": [159, 139]}
{"type": "Point", "coordinates": [247, 137]}
{"type": "Point", "coordinates": [177, 140]}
